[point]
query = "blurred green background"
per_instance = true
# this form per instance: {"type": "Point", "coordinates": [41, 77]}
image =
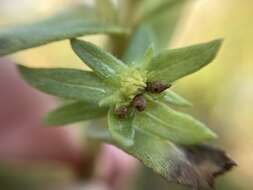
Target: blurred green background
{"type": "Point", "coordinates": [222, 93]}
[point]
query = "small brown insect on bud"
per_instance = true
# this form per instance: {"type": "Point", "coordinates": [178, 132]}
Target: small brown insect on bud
{"type": "Point", "coordinates": [139, 103]}
{"type": "Point", "coordinates": [157, 87]}
{"type": "Point", "coordinates": [121, 112]}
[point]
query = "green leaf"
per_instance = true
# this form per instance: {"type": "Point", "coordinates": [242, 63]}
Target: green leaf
{"type": "Point", "coordinates": [174, 99]}
{"type": "Point", "coordinates": [74, 112]}
{"type": "Point", "coordinates": [72, 23]}
{"type": "Point", "coordinates": [149, 8]}
{"type": "Point", "coordinates": [107, 10]}
{"type": "Point", "coordinates": [140, 41]}
{"type": "Point", "coordinates": [103, 64]}
{"type": "Point", "coordinates": [194, 166]}
{"type": "Point", "coordinates": [171, 65]}
{"type": "Point", "coordinates": [162, 17]}
{"type": "Point", "coordinates": [112, 99]}
{"type": "Point", "coordinates": [121, 129]}
{"type": "Point", "coordinates": [161, 120]}
{"type": "Point", "coordinates": [155, 153]}
{"type": "Point", "coordinates": [161, 156]}
{"type": "Point", "coordinates": [67, 83]}
{"type": "Point", "coordinates": [157, 23]}
{"type": "Point", "coordinates": [98, 130]}
{"type": "Point", "coordinates": [144, 61]}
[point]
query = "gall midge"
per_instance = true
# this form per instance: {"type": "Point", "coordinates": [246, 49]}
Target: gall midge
{"type": "Point", "coordinates": [139, 103]}
{"type": "Point", "coordinates": [157, 87]}
{"type": "Point", "coordinates": [121, 112]}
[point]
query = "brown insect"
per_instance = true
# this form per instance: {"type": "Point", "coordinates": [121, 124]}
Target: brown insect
{"type": "Point", "coordinates": [139, 102]}
{"type": "Point", "coordinates": [157, 87]}
{"type": "Point", "coordinates": [121, 112]}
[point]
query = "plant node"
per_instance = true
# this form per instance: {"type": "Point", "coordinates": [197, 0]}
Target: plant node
{"type": "Point", "coordinates": [133, 82]}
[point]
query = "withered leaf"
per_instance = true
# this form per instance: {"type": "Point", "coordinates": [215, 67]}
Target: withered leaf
{"type": "Point", "coordinates": [202, 165]}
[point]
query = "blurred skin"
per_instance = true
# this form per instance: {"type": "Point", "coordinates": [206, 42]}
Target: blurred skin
{"type": "Point", "coordinates": [116, 168]}
{"type": "Point", "coordinates": [24, 140]}
{"type": "Point", "coordinates": [22, 136]}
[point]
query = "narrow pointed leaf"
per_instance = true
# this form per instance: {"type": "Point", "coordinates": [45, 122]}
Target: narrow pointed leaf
{"type": "Point", "coordinates": [173, 98]}
{"type": "Point", "coordinates": [171, 65]}
{"type": "Point", "coordinates": [72, 23]}
{"type": "Point", "coordinates": [160, 156]}
{"type": "Point", "coordinates": [103, 64]}
{"type": "Point", "coordinates": [112, 99]}
{"type": "Point", "coordinates": [161, 120]}
{"type": "Point", "coordinates": [146, 59]}
{"type": "Point", "coordinates": [121, 129]}
{"type": "Point", "coordinates": [107, 10]}
{"type": "Point", "coordinates": [98, 131]}
{"type": "Point", "coordinates": [74, 112]}
{"type": "Point", "coordinates": [139, 43]}
{"type": "Point", "coordinates": [195, 166]}
{"type": "Point", "coordinates": [67, 83]}
{"type": "Point", "coordinates": [162, 16]}
{"type": "Point", "coordinates": [150, 8]}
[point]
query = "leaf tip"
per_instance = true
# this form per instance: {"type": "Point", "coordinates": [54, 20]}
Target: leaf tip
{"type": "Point", "coordinates": [47, 122]}
{"type": "Point", "coordinates": [187, 103]}
{"type": "Point", "coordinates": [73, 42]}
{"type": "Point", "coordinates": [24, 71]}
{"type": "Point", "coordinates": [211, 135]}
{"type": "Point", "coordinates": [216, 44]}
{"type": "Point", "coordinates": [21, 67]}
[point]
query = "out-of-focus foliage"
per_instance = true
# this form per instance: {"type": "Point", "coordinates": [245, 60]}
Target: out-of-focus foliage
{"type": "Point", "coordinates": [33, 177]}
{"type": "Point", "coordinates": [76, 22]}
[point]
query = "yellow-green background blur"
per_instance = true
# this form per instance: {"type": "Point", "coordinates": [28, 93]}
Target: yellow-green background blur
{"type": "Point", "coordinates": [222, 93]}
